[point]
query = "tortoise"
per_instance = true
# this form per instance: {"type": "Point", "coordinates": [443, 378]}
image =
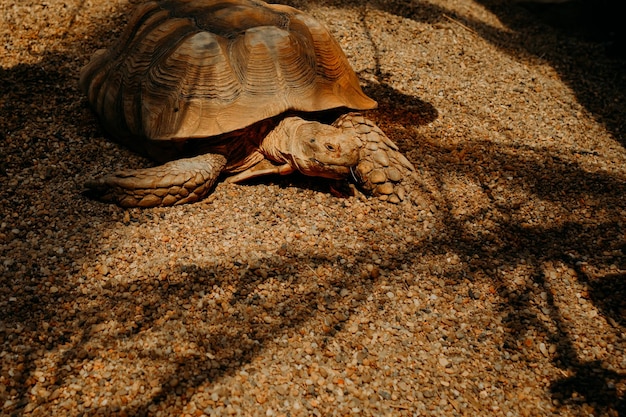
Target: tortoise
{"type": "Point", "coordinates": [238, 87]}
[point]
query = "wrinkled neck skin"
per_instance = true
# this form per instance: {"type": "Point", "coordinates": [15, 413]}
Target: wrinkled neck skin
{"type": "Point", "coordinates": [278, 145]}
{"type": "Point", "coordinates": [312, 148]}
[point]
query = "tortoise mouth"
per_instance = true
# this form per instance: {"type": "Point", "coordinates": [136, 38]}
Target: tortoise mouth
{"type": "Point", "coordinates": [318, 168]}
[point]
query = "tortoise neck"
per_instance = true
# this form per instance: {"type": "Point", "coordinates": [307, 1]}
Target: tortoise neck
{"type": "Point", "coordinates": [280, 145]}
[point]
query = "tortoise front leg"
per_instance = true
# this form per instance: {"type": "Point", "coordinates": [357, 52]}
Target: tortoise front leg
{"type": "Point", "coordinates": [176, 182]}
{"type": "Point", "coordinates": [262, 168]}
{"type": "Point", "coordinates": [381, 170]}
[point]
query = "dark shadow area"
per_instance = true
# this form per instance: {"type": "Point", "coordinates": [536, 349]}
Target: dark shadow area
{"type": "Point", "coordinates": [47, 135]}
{"type": "Point", "coordinates": [584, 41]}
{"type": "Point", "coordinates": [588, 383]}
{"type": "Point", "coordinates": [608, 294]}
{"type": "Point", "coordinates": [593, 384]}
{"type": "Point", "coordinates": [512, 243]}
{"type": "Point", "coordinates": [594, 21]}
{"type": "Point", "coordinates": [220, 348]}
{"type": "Point", "coordinates": [595, 69]}
{"type": "Point", "coordinates": [393, 103]}
{"type": "Point", "coordinates": [51, 148]}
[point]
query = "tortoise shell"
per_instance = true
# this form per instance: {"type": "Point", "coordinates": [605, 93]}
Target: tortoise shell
{"type": "Point", "coordinates": [199, 68]}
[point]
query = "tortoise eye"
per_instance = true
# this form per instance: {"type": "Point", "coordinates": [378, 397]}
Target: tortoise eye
{"type": "Point", "coordinates": [330, 147]}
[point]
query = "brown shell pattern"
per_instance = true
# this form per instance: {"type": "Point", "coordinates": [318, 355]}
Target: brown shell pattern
{"type": "Point", "coordinates": [199, 68]}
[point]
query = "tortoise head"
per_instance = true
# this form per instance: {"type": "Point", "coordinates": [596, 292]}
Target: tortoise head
{"type": "Point", "coordinates": [313, 148]}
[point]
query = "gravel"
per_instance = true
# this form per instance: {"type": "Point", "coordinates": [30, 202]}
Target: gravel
{"type": "Point", "coordinates": [498, 291]}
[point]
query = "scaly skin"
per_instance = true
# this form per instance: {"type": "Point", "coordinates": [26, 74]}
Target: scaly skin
{"type": "Point", "coordinates": [176, 182]}
{"type": "Point", "coordinates": [382, 170]}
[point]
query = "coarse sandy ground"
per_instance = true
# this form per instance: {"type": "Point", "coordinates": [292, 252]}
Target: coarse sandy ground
{"type": "Point", "coordinates": [500, 290]}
